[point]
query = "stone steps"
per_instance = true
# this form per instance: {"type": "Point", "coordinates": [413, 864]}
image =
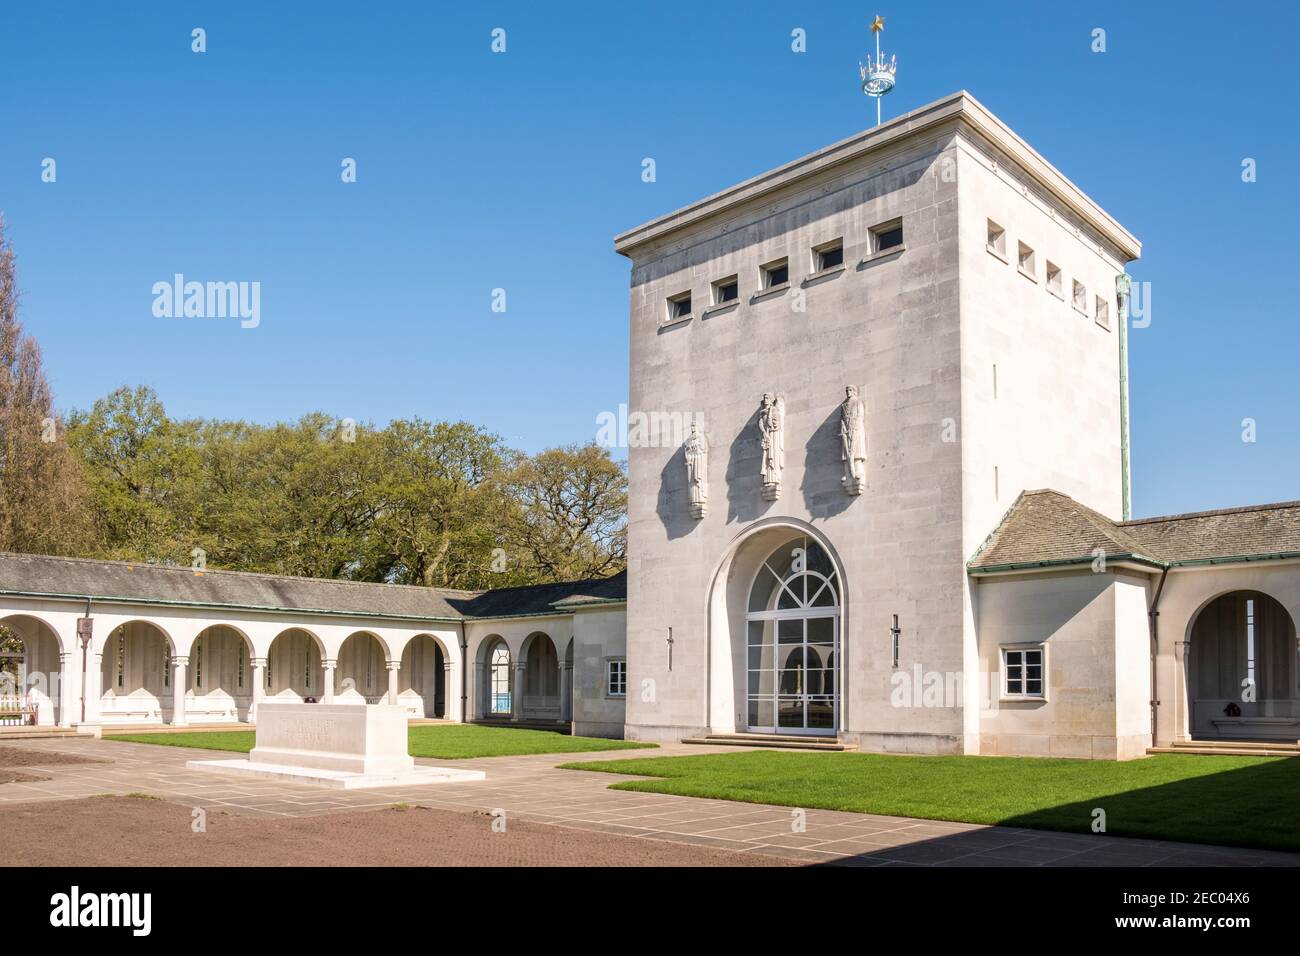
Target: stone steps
{"type": "Point", "coordinates": [35, 733]}
{"type": "Point", "coordinates": [1231, 748]}
{"type": "Point", "coordinates": [558, 726]}
{"type": "Point", "coordinates": [771, 741]}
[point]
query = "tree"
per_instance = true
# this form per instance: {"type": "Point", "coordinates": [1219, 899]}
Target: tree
{"type": "Point", "coordinates": [43, 505]}
{"type": "Point", "coordinates": [571, 521]}
{"type": "Point", "coordinates": [144, 474]}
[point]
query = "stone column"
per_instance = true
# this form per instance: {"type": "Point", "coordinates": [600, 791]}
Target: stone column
{"type": "Point", "coordinates": [179, 665]}
{"type": "Point", "coordinates": [393, 668]}
{"type": "Point", "coordinates": [69, 711]}
{"type": "Point", "coordinates": [327, 692]}
{"type": "Point", "coordinates": [566, 690]}
{"type": "Point", "coordinates": [258, 667]}
{"type": "Point", "coordinates": [1182, 713]}
{"type": "Point", "coordinates": [94, 663]}
{"type": "Point", "coordinates": [517, 691]}
{"type": "Point", "coordinates": [450, 692]}
{"type": "Point", "coordinates": [479, 694]}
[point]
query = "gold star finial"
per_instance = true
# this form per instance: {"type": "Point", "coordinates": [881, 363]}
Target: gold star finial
{"type": "Point", "coordinates": [877, 24]}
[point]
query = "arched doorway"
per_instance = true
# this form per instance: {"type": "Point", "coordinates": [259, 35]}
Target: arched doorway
{"type": "Point", "coordinates": [31, 676]}
{"type": "Point", "coordinates": [362, 669]}
{"type": "Point", "coordinates": [293, 667]}
{"type": "Point", "coordinates": [792, 642]}
{"type": "Point", "coordinates": [541, 698]}
{"type": "Point", "coordinates": [136, 675]}
{"type": "Point", "coordinates": [1243, 676]}
{"type": "Point", "coordinates": [497, 699]}
{"type": "Point", "coordinates": [220, 676]}
{"type": "Point", "coordinates": [422, 687]}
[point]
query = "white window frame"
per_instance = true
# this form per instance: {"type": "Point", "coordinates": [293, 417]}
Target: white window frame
{"type": "Point", "coordinates": [996, 241]}
{"type": "Point", "coordinates": [1023, 693]}
{"type": "Point", "coordinates": [610, 682]}
{"type": "Point", "coordinates": [1054, 279]}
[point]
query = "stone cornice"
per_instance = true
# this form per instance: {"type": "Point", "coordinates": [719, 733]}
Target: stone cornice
{"type": "Point", "coordinates": [958, 110]}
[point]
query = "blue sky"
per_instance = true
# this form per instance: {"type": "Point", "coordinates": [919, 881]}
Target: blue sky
{"type": "Point", "coordinates": [479, 171]}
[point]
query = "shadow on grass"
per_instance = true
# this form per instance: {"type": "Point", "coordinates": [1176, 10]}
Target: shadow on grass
{"type": "Point", "coordinates": [1226, 801]}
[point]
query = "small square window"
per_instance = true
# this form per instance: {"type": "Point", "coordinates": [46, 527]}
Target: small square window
{"type": "Point", "coordinates": [616, 678]}
{"type": "Point", "coordinates": [1022, 672]}
{"type": "Point", "coordinates": [726, 290]}
{"type": "Point", "coordinates": [1025, 260]}
{"type": "Point", "coordinates": [887, 236]}
{"type": "Point", "coordinates": [1054, 280]}
{"type": "Point", "coordinates": [828, 256]}
{"type": "Point", "coordinates": [1101, 313]}
{"type": "Point", "coordinates": [1080, 297]}
{"type": "Point", "coordinates": [776, 273]}
{"type": "Point", "coordinates": [997, 243]}
{"type": "Point", "coordinates": [679, 306]}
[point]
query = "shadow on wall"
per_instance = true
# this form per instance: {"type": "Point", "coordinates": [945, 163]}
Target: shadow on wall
{"type": "Point", "coordinates": [823, 494]}
{"type": "Point", "coordinates": [744, 474]}
{"type": "Point", "coordinates": [673, 505]}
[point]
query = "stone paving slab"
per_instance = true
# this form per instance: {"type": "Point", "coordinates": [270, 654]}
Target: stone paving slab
{"type": "Point", "coordinates": [531, 788]}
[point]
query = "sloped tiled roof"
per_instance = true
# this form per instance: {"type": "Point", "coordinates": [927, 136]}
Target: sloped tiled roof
{"type": "Point", "coordinates": [1046, 528]}
{"type": "Point", "coordinates": [545, 598]}
{"type": "Point", "coordinates": [155, 584]}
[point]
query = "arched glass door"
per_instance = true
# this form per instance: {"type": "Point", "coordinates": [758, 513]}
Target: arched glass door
{"type": "Point", "coordinates": [792, 651]}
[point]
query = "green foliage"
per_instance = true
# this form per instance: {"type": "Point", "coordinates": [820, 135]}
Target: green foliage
{"type": "Point", "coordinates": [441, 504]}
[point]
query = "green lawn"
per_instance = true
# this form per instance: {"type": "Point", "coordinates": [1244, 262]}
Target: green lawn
{"type": "Point", "coordinates": [1234, 801]}
{"type": "Point", "coordinates": [445, 741]}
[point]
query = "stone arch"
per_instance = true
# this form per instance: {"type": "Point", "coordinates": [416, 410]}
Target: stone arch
{"type": "Point", "coordinates": [495, 663]}
{"type": "Point", "coordinates": [362, 670]}
{"type": "Point", "coordinates": [1242, 674]}
{"type": "Point", "coordinates": [31, 670]}
{"type": "Point", "coordinates": [741, 696]}
{"type": "Point", "coordinates": [422, 681]}
{"type": "Point", "coordinates": [294, 669]}
{"type": "Point", "coordinates": [219, 676]}
{"type": "Point", "coordinates": [540, 695]}
{"type": "Point", "coordinates": [136, 673]}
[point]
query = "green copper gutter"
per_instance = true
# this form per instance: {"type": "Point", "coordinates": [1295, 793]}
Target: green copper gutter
{"type": "Point", "coordinates": [1062, 563]}
{"type": "Point", "coordinates": [1123, 284]}
{"type": "Point", "coordinates": [1135, 558]}
{"type": "Point", "coordinates": [164, 602]}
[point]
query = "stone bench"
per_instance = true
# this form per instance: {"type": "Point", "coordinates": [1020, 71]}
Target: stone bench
{"type": "Point", "coordinates": [1272, 728]}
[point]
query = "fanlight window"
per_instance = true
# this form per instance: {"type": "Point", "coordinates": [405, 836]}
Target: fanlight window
{"type": "Point", "coordinates": [797, 576]}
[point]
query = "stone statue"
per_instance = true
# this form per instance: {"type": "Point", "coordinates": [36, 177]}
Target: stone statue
{"type": "Point", "coordinates": [771, 426]}
{"type": "Point", "coordinates": [853, 441]}
{"type": "Point", "coordinates": [696, 452]}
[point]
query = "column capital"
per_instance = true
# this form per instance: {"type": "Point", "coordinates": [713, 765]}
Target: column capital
{"type": "Point", "coordinates": [257, 661]}
{"type": "Point", "coordinates": [181, 660]}
{"type": "Point", "coordinates": [329, 663]}
{"type": "Point", "coordinates": [393, 665]}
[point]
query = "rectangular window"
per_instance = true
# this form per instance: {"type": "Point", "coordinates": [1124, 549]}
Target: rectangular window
{"type": "Point", "coordinates": [616, 678]}
{"type": "Point", "coordinates": [121, 659]}
{"type": "Point", "coordinates": [1102, 314]}
{"type": "Point", "coordinates": [240, 679]}
{"type": "Point", "coordinates": [1025, 261]}
{"type": "Point", "coordinates": [1054, 280]}
{"type": "Point", "coordinates": [1022, 672]}
{"type": "Point", "coordinates": [679, 306]}
{"type": "Point", "coordinates": [828, 256]}
{"type": "Point", "coordinates": [1080, 297]}
{"type": "Point", "coordinates": [997, 242]}
{"type": "Point", "coordinates": [167, 668]}
{"type": "Point", "coordinates": [776, 273]}
{"type": "Point", "coordinates": [887, 236]}
{"type": "Point", "coordinates": [726, 290]}
{"type": "Point", "coordinates": [198, 662]}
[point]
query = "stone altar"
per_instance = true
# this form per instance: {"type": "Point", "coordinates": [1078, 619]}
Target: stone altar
{"type": "Point", "coordinates": [348, 746]}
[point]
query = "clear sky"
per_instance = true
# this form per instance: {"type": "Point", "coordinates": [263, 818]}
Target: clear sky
{"type": "Point", "coordinates": [478, 171]}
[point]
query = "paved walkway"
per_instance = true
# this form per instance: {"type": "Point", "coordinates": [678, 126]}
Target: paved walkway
{"type": "Point", "coordinates": [531, 788]}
